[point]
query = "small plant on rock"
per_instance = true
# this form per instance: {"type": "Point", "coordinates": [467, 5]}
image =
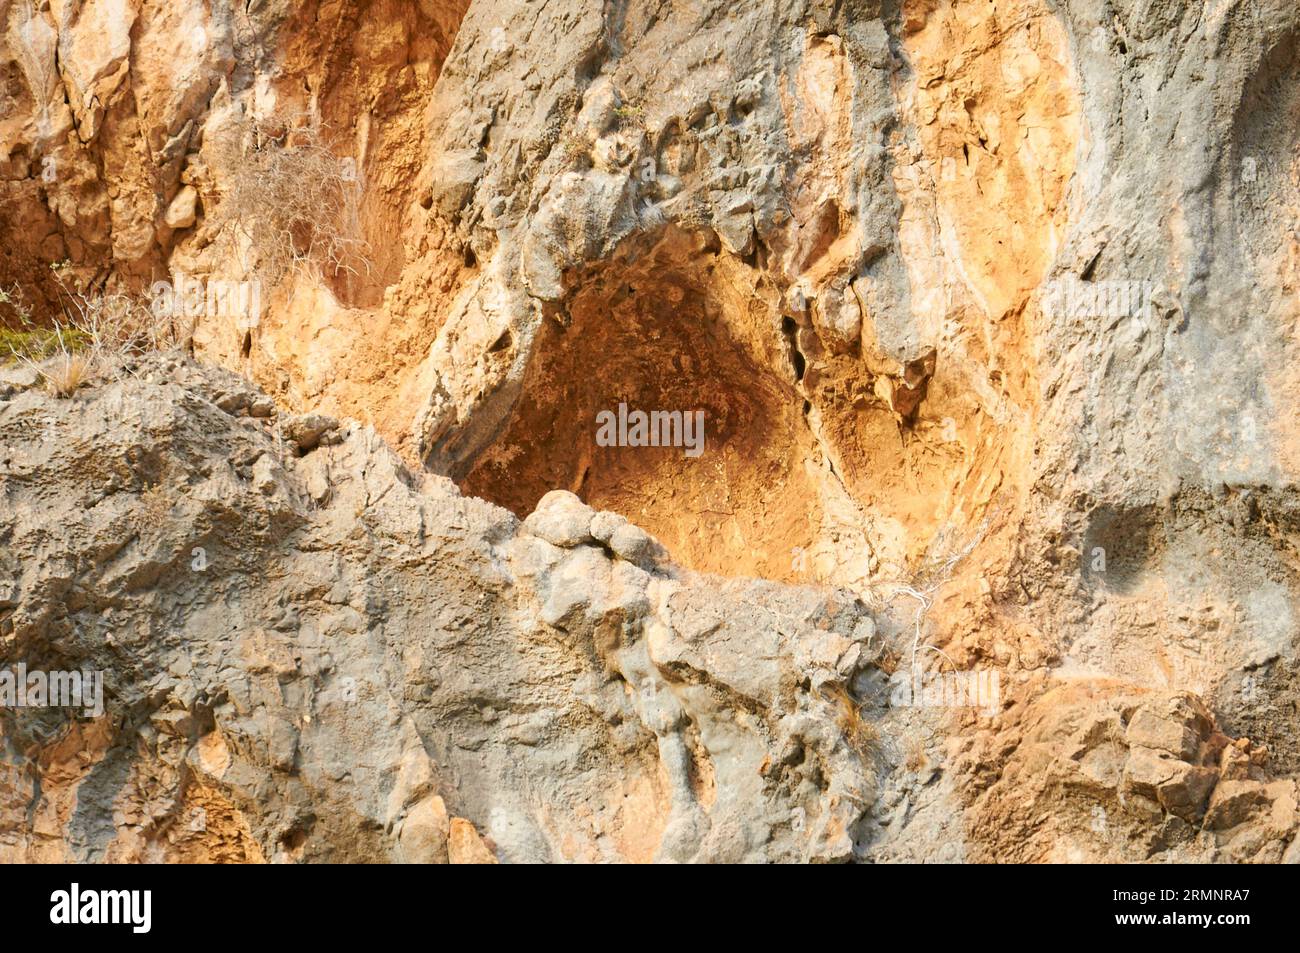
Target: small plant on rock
{"type": "Point", "coordinates": [97, 333]}
{"type": "Point", "coordinates": [291, 201]}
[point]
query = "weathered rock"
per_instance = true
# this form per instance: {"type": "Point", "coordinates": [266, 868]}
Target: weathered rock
{"type": "Point", "coordinates": [425, 833]}
{"type": "Point", "coordinates": [1180, 737]}
{"type": "Point", "coordinates": [604, 524]}
{"type": "Point", "coordinates": [336, 666]}
{"type": "Point", "coordinates": [1185, 794]}
{"type": "Point", "coordinates": [307, 431]}
{"type": "Point", "coordinates": [1235, 802]}
{"type": "Point", "coordinates": [561, 519]}
{"type": "Point", "coordinates": [182, 211]}
{"type": "Point", "coordinates": [466, 847]}
{"type": "Point", "coordinates": [14, 378]}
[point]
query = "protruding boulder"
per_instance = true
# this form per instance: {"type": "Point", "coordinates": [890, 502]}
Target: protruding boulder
{"type": "Point", "coordinates": [561, 519]}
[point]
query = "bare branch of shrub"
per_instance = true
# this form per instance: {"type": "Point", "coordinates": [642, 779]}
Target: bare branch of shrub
{"type": "Point", "coordinates": [97, 334]}
{"type": "Point", "coordinates": [292, 201]}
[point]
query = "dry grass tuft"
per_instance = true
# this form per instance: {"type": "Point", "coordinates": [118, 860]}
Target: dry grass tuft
{"type": "Point", "coordinates": [862, 735]}
{"type": "Point", "coordinates": [914, 756]}
{"type": "Point", "coordinates": [65, 373]}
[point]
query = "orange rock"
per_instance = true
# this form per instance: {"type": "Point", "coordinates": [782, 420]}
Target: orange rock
{"type": "Point", "coordinates": [465, 846]}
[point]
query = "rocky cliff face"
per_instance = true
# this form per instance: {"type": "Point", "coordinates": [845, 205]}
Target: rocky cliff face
{"type": "Point", "coordinates": [990, 549]}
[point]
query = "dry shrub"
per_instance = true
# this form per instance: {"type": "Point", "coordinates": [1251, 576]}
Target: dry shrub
{"type": "Point", "coordinates": [938, 567]}
{"type": "Point", "coordinates": [20, 336]}
{"type": "Point", "coordinates": [862, 735]}
{"type": "Point", "coordinates": [914, 756]}
{"type": "Point", "coordinates": [98, 334]}
{"type": "Point", "coordinates": [291, 200]}
{"type": "Point", "coordinates": [118, 326]}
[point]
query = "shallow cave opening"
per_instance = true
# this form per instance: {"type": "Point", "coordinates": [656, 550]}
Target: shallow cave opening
{"type": "Point", "coordinates": [669, 330]}
{"type": "Point", "coordinates": [815, 466]}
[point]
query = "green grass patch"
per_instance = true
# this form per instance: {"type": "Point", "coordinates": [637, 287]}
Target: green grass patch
{"type": "Point", "coordinates": [37, 344]}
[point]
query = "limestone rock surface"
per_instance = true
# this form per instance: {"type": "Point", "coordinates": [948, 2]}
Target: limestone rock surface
{"type": "Point", "coordinates": [991, 547]}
